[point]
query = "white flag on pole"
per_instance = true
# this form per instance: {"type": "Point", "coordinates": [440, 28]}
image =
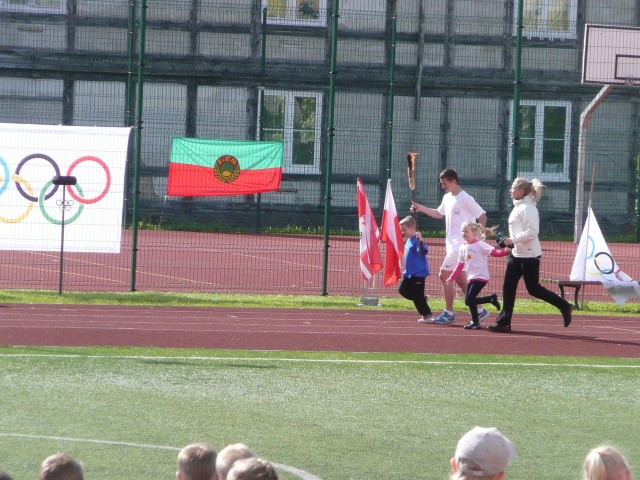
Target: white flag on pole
{"type": "Point", "coordinates": [594, 262]}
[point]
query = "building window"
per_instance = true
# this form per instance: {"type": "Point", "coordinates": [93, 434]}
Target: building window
{"type": "Point", "coordinates": [545, 140]}
{"type": "Point", "coordinates": [34, 6]}
{"type": "Point", "coordinates": [295, 118]}
{"type": "Point", "coordinates": [296, 12]}
{"type": "Point", "coordinates": [548, 18]}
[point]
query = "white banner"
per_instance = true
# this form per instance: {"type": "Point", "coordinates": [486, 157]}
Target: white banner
{"type": "Point", "coordinates": [594, 262]}
{"type": "Point", "coordinates": [32, 207]}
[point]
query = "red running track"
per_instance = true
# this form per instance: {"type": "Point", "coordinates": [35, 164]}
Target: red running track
{"type": "Point", "coordinates": [309, 329]}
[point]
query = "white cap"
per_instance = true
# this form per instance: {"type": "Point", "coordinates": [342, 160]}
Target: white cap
{"type": "Point", "coordinates": [489, 449]}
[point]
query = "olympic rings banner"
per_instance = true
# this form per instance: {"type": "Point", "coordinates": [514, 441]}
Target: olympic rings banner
{"type": "Point", "coordinates": [594, 262]}
{"type": "Point", "coordinates": [32, 207]}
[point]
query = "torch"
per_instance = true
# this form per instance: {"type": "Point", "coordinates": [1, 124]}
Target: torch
{"type": "Point", "coordinates": [411, 170]}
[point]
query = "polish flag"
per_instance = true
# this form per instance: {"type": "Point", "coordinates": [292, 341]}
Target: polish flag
{"type": "Point", "coordinates": [392, 236]}
{"type": "Point", "coordinates": [370, 257]}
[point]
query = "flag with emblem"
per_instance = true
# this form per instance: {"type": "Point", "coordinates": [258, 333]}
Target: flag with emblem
{"type": "Point", "coordinates": [202, 168]}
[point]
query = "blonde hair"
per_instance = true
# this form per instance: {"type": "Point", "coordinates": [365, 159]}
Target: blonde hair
{"type": "Point", "coordinates": [229, 455]}
{"type": "Point", "coordinates": [533, 187]}
{"type": "Point", "coordinates": [605, 463]}
{"type": "Point", "coordinates": [252, 469]}
{"type": "Point", "coordinates": [478, 229]}
{"type": "Point", "coordinates": [61, 466]}
{"type": "Point", "coordinates": [408, 221]}
{"type": "Point", "coordinates": [197, 461]}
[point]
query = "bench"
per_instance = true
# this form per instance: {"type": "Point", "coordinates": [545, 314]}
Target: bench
{"type": "Point", "coordinates": [575, 284]}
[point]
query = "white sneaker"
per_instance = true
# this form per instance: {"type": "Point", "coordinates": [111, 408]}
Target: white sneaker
{"type": "Point", "coordinates": [427, 319]}
{"type": "Point", "coordinates": [445, 319]}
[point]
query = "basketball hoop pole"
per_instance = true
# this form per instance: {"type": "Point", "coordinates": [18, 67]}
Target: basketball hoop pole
{"type": "Point", "coordinates": [585, 116]}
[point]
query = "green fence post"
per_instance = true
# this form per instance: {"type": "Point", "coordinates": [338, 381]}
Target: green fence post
{"type": "Point", "coordinates": [128, 92]}
{"type": "Point", "coordinates": [392, 63]}
{"type": "Point", "coordinates": [263, 70]}
{"type": "Point", "coordinates": [516, 93]}
{"type": "Point", "coordinates": [638, 198]}
{"type": "Point", "coordinates": [330, 134]}
{"type": "Point", "coordinates": [138, 142]}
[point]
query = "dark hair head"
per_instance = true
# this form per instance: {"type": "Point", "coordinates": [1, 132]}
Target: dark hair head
{"type": "Point", "coordinates": [449, 174]}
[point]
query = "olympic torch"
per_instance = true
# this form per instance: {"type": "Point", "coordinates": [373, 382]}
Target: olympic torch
{"type": "Point", "coordinates": [411, 170]}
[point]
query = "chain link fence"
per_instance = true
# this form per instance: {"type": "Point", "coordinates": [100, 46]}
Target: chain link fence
{"type": "Point", "coordinates": [439, 78]}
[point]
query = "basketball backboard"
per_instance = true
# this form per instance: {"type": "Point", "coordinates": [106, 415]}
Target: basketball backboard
{"type": "Point", "coordinates": [611, 55]}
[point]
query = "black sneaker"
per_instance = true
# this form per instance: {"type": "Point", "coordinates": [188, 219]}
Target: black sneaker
{"type": "Point", "coordinates": [495, 302]}
{"type": "Point", "coordinates": [472, 326]}
{"type": "Point", "coordinates": [500, 328]}
{"type": "Point", "coordinates": [566, 314]}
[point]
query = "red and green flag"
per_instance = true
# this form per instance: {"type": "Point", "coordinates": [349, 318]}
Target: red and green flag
{"type": "Point", "coordinates": [201, 168]}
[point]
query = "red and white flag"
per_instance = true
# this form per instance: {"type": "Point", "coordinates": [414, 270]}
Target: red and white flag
{"type": "Point", "coordinates": [370, 257]}
{"type": "Point", "coordinates": [392, 236]}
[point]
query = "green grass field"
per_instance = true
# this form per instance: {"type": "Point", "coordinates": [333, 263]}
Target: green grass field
{"type": "Point", "coordinates": [125, 412]}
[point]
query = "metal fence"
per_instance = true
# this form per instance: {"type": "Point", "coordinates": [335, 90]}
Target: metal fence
{"type": "Point", "coordinates": [351, 88]}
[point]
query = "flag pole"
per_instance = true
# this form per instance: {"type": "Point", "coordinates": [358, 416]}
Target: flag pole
{"type": "Point", "coordinates": [588, 223]}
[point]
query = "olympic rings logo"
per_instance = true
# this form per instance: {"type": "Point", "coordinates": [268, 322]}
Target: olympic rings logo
{"type": "Point", "coordinates": [26, 190]}
{"type": "Point", "coordinates": [603, 261]}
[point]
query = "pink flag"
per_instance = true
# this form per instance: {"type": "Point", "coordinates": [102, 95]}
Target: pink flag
{"type": "Point", "coordinates": [370, 257]}
{"type": "Point", "coordinates": [392, 236]}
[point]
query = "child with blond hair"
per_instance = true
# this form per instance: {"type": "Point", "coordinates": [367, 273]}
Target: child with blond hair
{"type": "Point", "coordinates": [606, 463]}
{"type": "Point", "coordinates": [474, 257]}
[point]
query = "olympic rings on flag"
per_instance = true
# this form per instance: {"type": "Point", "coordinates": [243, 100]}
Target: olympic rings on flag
{"type": "Point", "coordinates": [600, 269]}
{"type": "Point", "coordinates": [71, 219]}
{"type": "Point", "coordinates": [26, 190]}
{"type": "Point", "coordinates": [26, 213]}
{"type": "Point", "coordinates": [107, 184]}
{"type": "Point", "coordinates": [6, 176]}
{"type": "Point", "coordinates": [24, 161]}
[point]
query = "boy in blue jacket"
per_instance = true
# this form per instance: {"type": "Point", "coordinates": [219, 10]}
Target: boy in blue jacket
{"type": "Point", "coordinates": [416, 269]}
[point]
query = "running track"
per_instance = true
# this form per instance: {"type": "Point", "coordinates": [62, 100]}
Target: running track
{"type": "Point", "coordinates": [363, 330]}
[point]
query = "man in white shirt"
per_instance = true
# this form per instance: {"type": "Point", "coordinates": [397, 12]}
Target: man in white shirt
{"type": "Point", "coordinates": [457, 207]}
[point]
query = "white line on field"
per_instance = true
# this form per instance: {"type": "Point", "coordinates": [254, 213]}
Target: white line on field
{"type": "Point", "coordinates": [311, 360]}
{"type": "Point", "coordinates": [295, 471]}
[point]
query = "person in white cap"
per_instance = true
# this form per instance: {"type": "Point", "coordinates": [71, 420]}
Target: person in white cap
{"type": "Point", "coordinates": [482, 454]}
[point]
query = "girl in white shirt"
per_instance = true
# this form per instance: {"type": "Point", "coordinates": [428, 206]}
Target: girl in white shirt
{"type": "Point", "coordinates": [474, 255]}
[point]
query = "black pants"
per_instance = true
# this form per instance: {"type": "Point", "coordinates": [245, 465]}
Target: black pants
{"type": "Point", "coordinates": [413, 289]}
{"type": "Point", "coordinates": [529, 268]}
{"type": "Point", "coordinates": [472, 300]}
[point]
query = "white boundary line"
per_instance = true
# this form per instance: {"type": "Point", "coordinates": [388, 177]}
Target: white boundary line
{"type": "Point", "coordinates": [310, 360]}
{"type": "Point", "coordinates": [295, 471]}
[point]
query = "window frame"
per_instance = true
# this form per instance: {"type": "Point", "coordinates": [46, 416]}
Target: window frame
{"type": "Point", "coordinates": [29, 6]}
{"type": "Point", "coordinates": [543, 31]}
{"type": "Point", "coordinates": [288, 167]}
{"type": "Point", "coordinates": [538, 160]}
{"type": "Point", "coordinates": [321, 21]}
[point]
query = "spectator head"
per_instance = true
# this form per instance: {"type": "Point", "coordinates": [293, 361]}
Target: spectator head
{"type": "Point", "coordinates": [482, 453]}
{"type": "Point", "coordinates": [606, 463]}
{"type": "Point", "coordinates": [197, 461]}
{"type": "Point", "coordinates": [4, 475]}
{"type": "Point", "coordinates": [229, 455]}
{"type": "Point", "coordinates": [252, 469]}
{"type": "Point", "coordinates": [61, 466]}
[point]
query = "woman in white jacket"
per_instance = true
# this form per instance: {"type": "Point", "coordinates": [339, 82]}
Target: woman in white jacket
{"type": "Point", "coordinates": [524, 260]}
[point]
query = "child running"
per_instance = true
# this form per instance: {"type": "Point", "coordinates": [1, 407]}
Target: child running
{"type": "Point", "coordinates": [474, 255]}
{"type": "Point", "coordinates": [416, 268]}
